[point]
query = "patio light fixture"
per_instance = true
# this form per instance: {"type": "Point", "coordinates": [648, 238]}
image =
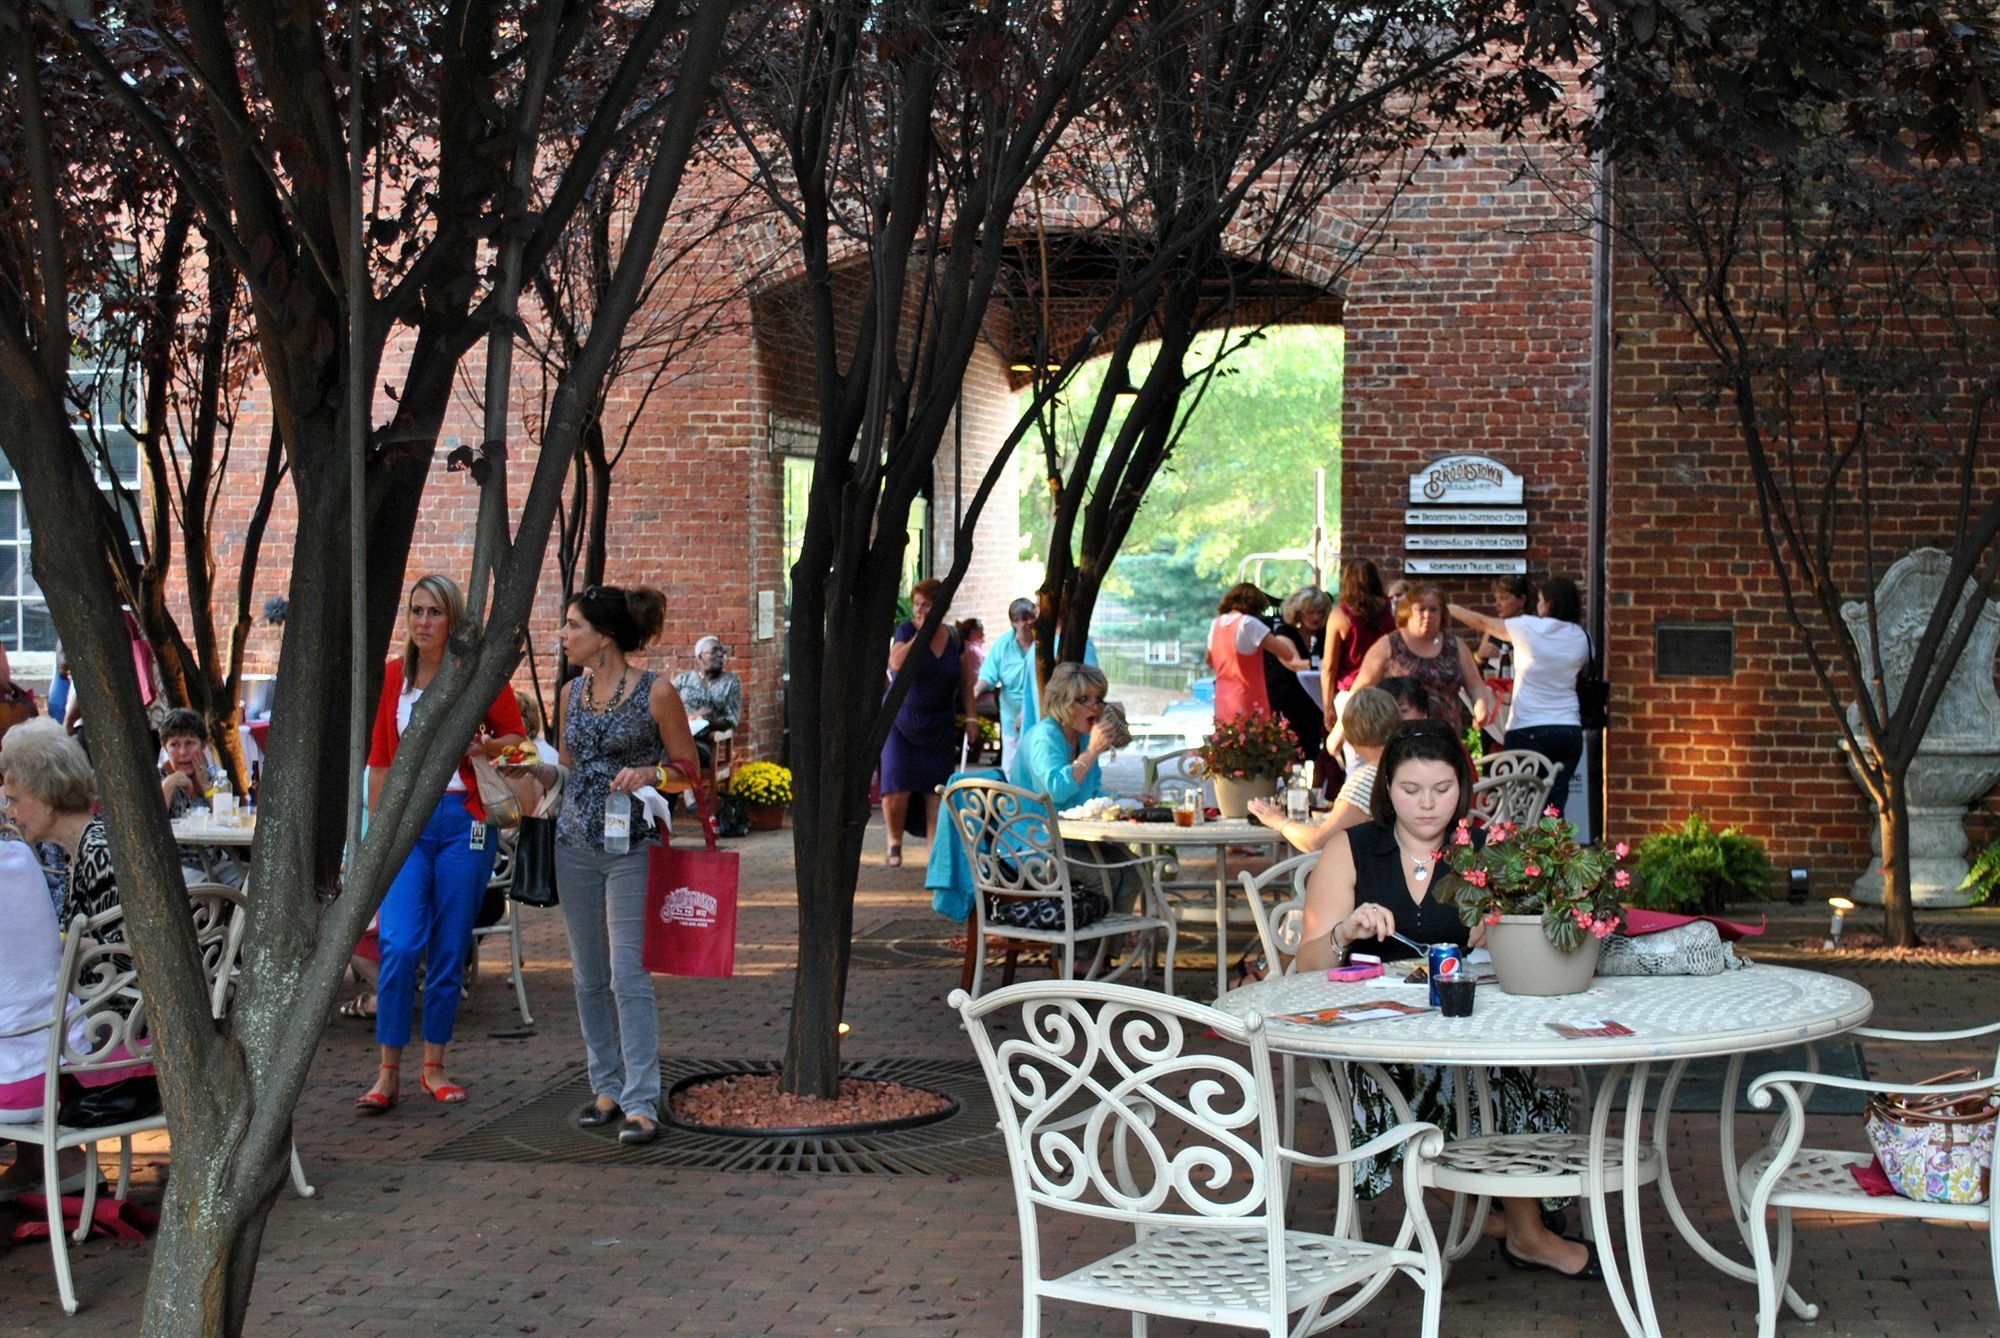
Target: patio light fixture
{"type": "Point", "coordinates": [1841, 906]}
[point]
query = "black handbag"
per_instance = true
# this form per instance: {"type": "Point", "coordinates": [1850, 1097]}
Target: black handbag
{"type": "Point", "coordinates": [115, 1103]}
{"type": "Point", "coordinates": [1593, 693]}
{"type": "Point", "coordinates": [535, 862]}
{"type": "Point", "coordinates": [730, 818]}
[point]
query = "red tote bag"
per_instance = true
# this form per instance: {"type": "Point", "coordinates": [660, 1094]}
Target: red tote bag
{"type": "Point", "coordinates": [691, 906]}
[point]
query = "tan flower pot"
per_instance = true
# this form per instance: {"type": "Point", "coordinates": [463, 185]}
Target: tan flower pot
{"type": "Point", "coordinates": [1527, 963]}
{"type": "Point", "coordinates": [1233, 796]}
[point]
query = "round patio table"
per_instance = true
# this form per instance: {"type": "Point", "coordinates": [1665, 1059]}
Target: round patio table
{"type": "Point", "coordinates": [1220, 833]}
{"type": "Point", "coordinates": [1672, 1020]}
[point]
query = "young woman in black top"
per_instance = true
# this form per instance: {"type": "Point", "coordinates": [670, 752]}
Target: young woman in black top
{"type": "Point", "coordinates": [1383, 878]}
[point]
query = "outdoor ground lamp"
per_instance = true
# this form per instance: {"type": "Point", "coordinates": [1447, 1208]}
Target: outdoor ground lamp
{"type": "Point", "coordinates": [1841, 906]}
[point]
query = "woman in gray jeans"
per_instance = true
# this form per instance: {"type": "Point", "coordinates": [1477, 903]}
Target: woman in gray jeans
{"type": "Point", "coordinates": [615, 723]}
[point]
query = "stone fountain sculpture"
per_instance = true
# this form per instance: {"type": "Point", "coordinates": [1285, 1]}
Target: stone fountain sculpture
{"type": "Point", "coordinates": [1959, 758]}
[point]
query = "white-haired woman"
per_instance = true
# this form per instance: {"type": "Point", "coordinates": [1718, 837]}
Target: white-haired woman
{"type": "Point", "coordinates": [50, 791]}
{"type": "Point", "coordinates": [1302, 622]}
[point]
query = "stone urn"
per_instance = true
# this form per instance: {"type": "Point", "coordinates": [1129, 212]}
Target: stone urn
{"type": "Point", "coordinates": [1959, 758]}
{"type": "Point", "coordinates": [1233, 796]}
{"type": "Point", "coordinates": [1527, 963]}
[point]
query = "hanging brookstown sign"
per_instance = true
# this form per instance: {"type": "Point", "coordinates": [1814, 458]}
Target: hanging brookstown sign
{"type": "Point", "coordinates": [1480, 501]}
{"type": "Point", "coordinates": [1466, 480]}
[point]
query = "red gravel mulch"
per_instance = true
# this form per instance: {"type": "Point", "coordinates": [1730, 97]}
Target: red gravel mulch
{"type": "Point", "coordinates": [744, 1101]}
{"type": "Point", "coordinates": [1935, 950]}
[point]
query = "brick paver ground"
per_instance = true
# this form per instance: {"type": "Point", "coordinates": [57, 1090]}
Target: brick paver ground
{"type": "Point", "coordinates": [396, 1245]}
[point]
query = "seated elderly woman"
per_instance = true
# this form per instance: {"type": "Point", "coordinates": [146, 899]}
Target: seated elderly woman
{"type": "Point", "coordinates": [51, 791]}
{"type": "Point", "coordinates": [1058, 756]}
{"type": "Point", "coordinates": [30, 964]}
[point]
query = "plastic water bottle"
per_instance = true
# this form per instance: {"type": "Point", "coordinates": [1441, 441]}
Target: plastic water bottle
{"type": "Point", "coordinates": [617, 823]}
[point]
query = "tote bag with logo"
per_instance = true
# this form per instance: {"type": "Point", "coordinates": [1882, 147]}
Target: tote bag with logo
{"type": "Point", "coordinates": [691, 905]}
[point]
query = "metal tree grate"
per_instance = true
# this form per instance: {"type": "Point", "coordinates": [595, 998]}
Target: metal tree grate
{"type": "Point", "coordinates": [543, 1130]}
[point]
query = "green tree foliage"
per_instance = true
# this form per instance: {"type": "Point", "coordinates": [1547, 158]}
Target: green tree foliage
{"type": "Point", "coordinates": [1239, 482]}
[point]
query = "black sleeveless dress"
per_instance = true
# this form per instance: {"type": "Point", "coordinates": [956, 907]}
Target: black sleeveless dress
{"type": "Point", "coordinates": [1378, 880]}
{"type": "Point", "coordinates": [1520, 1105]}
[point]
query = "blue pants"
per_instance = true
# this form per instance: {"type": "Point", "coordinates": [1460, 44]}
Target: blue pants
{"type": "Point", "coordinates": [1561, 744]}
{"type": "Point", "coordinates": [427, 917]}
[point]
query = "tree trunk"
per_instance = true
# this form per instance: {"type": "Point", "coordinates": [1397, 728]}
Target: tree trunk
{"type": "Point", "coordinates": [211, 1228]}
{"type": "Point", "coordinates": [829, 818]}
{"type": "Point", "coordinates": [1899, 917]}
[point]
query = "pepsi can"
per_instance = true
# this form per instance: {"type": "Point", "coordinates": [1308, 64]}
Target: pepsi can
{"type": "Point", "coordinates": [1445, 961]}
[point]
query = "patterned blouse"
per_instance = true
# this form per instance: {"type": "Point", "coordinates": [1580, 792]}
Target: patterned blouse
{"type": "Point", "coordinates": [600, 745]}
{"type": "Point", "coordinates": [93, 883]}
{"type": "Point", "coordinates": [721, 696]}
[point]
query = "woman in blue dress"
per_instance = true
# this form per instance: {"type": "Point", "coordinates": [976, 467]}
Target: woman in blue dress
{"type": "Point", "coordinates": [923, 747]}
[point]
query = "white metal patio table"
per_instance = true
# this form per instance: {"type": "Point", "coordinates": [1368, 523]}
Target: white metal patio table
{"type": "Point", "coordinates": [211, 843]}
{"type": "Point", "coordinates": [1673, 1019]}
{"type": "Point", "coordinates": [1221, 833]}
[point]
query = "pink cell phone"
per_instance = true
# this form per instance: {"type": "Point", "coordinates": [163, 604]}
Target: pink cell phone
{"type": "Point", "coordinates": [1358, 971]}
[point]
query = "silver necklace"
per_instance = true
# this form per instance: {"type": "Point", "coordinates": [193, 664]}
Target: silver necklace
{"type": "Point", "coordinates": [1420, 869]}
{"type": "Point", "coordinates": [590, 692]}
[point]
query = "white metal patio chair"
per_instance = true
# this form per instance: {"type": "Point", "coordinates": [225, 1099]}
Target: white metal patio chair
{"type": "Point", "coordinates": [509, 924]}
{"type": "Point", "coordinates": [1513, 786]}
{"type": "Point", "coordinates": [1013, 845]}
{"type": "Point", "coordinates": [1785, 1176]}
{"type": "Point", "coordinates": [1110, 1115]}
{"type": "Point", "coordinates": [98, 1025]}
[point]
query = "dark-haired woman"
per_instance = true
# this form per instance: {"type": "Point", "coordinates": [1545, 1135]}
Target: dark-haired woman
{"type": "Point", "coordinates": [1550, 649]}
{"type": "Point", "coordinates": [427, 915]}
{"type": "Point", "coordinates": [1238, 641]}
{"type": "Point", "coordinates": [1362, 616]}
{"type": "Point", "coordinates": [922, 749]}
{"type": "Point", "coordinates": [1381, 878]}
{"type": "Point", "coordinates": [615, 723]}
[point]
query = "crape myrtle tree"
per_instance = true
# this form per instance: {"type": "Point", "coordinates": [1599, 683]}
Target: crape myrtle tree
{"type": "Point", "coordinates": [1813, 190]}
{"type": "Point", "coordinates": [1278, 139]}
{"type": "Point", "coordinates": [401, 210]}
{"type": "Point", "coordinates": [167, 357]}
{"type": "Point", "coordinates": [894, 141]}
{"type": "Point", "coordinates": [691, 295]}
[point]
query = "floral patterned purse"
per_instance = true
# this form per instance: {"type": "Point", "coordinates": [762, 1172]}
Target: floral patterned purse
{"type": "Point", "coordinates": [1936, 1149]}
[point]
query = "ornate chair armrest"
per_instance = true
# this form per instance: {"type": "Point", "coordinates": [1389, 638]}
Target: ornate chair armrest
{"type": "Point", "coordinates": [1918, 1037]}
{"type": "Point", "coordinates": [1789, 1083]}
{"type": "Point", "coordinates": [1423, 1151]}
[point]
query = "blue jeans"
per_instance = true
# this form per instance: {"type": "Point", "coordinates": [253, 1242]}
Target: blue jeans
{"type": "Point", "coordinates": [604, 910]}
{"type": "Point", "coordinates": [427, 917]}
{"type": "Point", "coordinates": [1561, 744]}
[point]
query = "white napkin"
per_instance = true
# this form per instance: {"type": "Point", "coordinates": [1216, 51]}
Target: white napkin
{"type": "Point", "coordinates": [655, 805]}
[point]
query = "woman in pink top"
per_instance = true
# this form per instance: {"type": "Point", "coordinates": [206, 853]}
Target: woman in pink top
{"type": "Point", "coordinates": [1238, 641]}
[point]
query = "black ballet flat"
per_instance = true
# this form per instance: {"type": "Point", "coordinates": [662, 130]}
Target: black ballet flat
{"type": "Point", "coordinates": [635, 1133]}
{"type": "Point", "coordinates": [594, 1116]}
{"type": "Point", "coordinates": [1592, 1270]}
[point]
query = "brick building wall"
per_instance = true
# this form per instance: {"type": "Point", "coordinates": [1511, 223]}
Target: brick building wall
{"type": "Point", "coordinates": [1468, 330]}
{"type": "Point", "coordinates": [1759, 748]}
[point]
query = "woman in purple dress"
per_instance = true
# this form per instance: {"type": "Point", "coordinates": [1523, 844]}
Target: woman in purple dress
{"type": "Point", "coordinates": [923, 746]}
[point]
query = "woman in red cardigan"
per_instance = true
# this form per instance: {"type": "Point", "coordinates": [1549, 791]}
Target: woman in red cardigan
{"type": "Point", "coordinates": [427, 915]}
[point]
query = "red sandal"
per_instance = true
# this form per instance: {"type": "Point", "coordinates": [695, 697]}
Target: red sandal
{"type": "Point", "coordinates": [375, 1103]}
{"type": "Point", "coordinates": [449, 1093]}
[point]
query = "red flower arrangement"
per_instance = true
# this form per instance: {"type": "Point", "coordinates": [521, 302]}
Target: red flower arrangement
{"type": "Point", "coordinates": [1541, 869]}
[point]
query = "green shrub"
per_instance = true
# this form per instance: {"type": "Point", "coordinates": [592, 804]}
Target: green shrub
{"type": "Point", "coordinates": [1983, 880]}
{"type": "Point", "coordinates": [1696, 869]}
